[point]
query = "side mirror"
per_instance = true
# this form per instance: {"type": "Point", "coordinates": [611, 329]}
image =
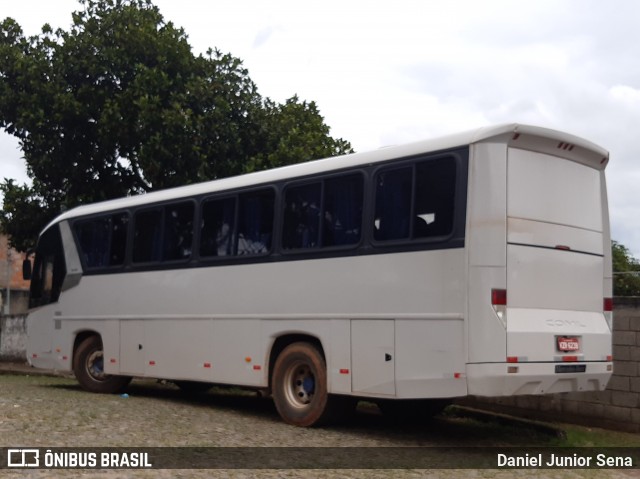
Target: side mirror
{"type": "Point", "coordinates": [26, 269]}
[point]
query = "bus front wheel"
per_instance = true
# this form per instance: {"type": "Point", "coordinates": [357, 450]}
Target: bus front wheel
{"type": "Point", "coordinates": [88, 367]}
{"type": "Point", "coordinates": [299, 385]}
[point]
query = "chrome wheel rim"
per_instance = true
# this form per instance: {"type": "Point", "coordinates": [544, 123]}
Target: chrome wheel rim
{"type": "Point", "coordinates": [95, 366]}
{"type": "Point", "coordinates": [300, 384]}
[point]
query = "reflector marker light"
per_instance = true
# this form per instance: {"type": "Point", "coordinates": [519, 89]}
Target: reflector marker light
{"type": "Point", "coordinates": [569, 358]}
{"type": "Point", "coordinates": [499, 297]}
{"type": "Point", "coordinates": [517, 359]}
{"type": "Point", "coordinates": [64, 358]}
{"type": "Point", "coordinates": [607, 304]}
{"type": "Point", "coordinates": [257, 367]}
{"type": "Point", "coordinates": [609, 358]}
{"type": "Point", "coordinates": [34, 355]}
{"type": "Point", "coordinates": [152, 363]}
{"type": "Point", "coordinates": [563, 247]}
{"type": "Point", "coordinates": [112, 360]}
{"type": "Point", "coordinates": [207, 365]}
{"type": "Point", "coordinates": [344, 371]}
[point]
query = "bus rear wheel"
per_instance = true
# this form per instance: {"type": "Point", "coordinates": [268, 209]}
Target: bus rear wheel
{"type": "Point", "coordinates": [299, 386]}
{"type": "Point", "coordinates": [88, 367]}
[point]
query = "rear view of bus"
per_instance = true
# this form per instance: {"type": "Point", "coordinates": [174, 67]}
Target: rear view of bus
{"type": "Point", "coordinates": [540, 288]}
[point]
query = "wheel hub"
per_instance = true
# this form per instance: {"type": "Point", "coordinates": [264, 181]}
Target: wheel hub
{"type": "Point", "coordinates": [95, 365]}
{"type": "Point", "coordinates": [301, 385]}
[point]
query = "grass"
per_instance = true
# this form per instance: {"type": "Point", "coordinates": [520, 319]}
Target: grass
{"type": "Point", "coordinates": [580, 436]}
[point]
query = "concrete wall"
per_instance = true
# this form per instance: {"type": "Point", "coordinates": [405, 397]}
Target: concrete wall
{"type": "Point", "coordinates": [13, 338]}
{"type": "Point", "coordinates": [18, 303]}
{"type": "Point", "coordinates": [14, 291]}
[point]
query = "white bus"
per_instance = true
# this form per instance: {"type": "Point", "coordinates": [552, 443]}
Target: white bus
{"type": "Point", "coordinates": [473, 264]}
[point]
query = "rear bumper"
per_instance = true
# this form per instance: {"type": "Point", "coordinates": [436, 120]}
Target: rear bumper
{"type": "Point", "coordinates": [493, 379]}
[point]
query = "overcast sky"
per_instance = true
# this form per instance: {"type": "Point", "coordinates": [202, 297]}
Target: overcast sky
{"type": "Point", "coordinates": [386, 72]}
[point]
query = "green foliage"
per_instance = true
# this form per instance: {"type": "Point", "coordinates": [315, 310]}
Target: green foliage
{"type": "Point", "coordinates": [25, 215]}
{"type": "Point", "coordinates": [294, 132]}
{"type": "Point", "coordinates": [119, 105]}
{"type": "Point", "coordinates": [625, 282]}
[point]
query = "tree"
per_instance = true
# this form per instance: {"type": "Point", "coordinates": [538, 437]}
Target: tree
{"type": "Point", "coordinates": [119, 105]}
{"type": "Point", "coordinates": [294, 132]}
{"type": "Point", "coordinates": [626, 271]}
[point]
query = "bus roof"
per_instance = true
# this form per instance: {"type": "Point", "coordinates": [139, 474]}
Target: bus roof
{"type": "Point", "coordinates": [334, 163]}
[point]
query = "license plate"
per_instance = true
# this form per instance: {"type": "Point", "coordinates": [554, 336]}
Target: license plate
{"type": "Point", "coordinates": [566, 344]}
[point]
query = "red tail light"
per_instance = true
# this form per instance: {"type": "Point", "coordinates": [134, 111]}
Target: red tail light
{"type": "Point", "coordinates": [499, 297]}
{"type": "Point", "coordinates": [608, 304]}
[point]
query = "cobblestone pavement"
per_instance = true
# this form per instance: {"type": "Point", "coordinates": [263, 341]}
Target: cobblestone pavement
{"type": "Point", "coordinates": [47, 411]}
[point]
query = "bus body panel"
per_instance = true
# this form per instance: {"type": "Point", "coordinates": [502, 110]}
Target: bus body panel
{"type": "Point", "coordinates": [544, 278]}
{"type": "Point", "coordinates": [386, 286]}
{"type": "Point", "coordinates": [430, 358]}
{"type": "Point", "coordinates": [537, 230]}
{"type": "Point", "coordinates": [555, 259]}
{"type": "Point", "coordinates": [171, 326]}
{"type": "Point", "coordinates": [553, 189]}
{"type": "Point", "coordinates": [533, 334]}
{"type": "Point", "coordinates": [492, 379]}
{"type": "Point", "coordinates": [486, 249]}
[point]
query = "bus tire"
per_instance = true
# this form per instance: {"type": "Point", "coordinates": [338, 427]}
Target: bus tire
{"type": "Point", "coordinates": [299, 386]}
{"type": "Point", "coordinates": [88, 367]}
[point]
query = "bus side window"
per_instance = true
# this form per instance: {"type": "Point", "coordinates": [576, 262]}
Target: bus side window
{"type": "Point", "coordinates": [416, 201]}
{"type": "Point", "coordinates": [103, 241]}
{"type": "Point", "coordinates": [255, 222]}
{"type": "Point", "coordinates": [178, 231]}
{"type": "Point", "coordinates": [147, 236]}
{"type": "Point", "coordinates": [434, 197]}
{"type": "Point", "coordinates": [216, 227]}
{"type": "Point", "coordinates": [393, 204]}
{"type": "Point", "coordinates": [119, 232]}
{"type": "Point", "coordinates": [342, 211]}
{"type": "Point", "coordinates": [301, 227]}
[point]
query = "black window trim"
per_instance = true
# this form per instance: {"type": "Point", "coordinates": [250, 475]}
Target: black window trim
{"type": "Point", "coordinates": [367, 245]}
{"type": "Point", "coordinates": [96, 216]}
{"type": "Point", "coordinates": [236, 195]}
{"type": "Point", "coordinates": [420, 243]}
{"type": "Point", "coordinates": [322, 178]}
{"type": "Point", "coordinates": [161, 264]}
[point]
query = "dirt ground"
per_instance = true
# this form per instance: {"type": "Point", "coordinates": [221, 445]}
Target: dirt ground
{"type": "Point", "coordinates": [44, 411]}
